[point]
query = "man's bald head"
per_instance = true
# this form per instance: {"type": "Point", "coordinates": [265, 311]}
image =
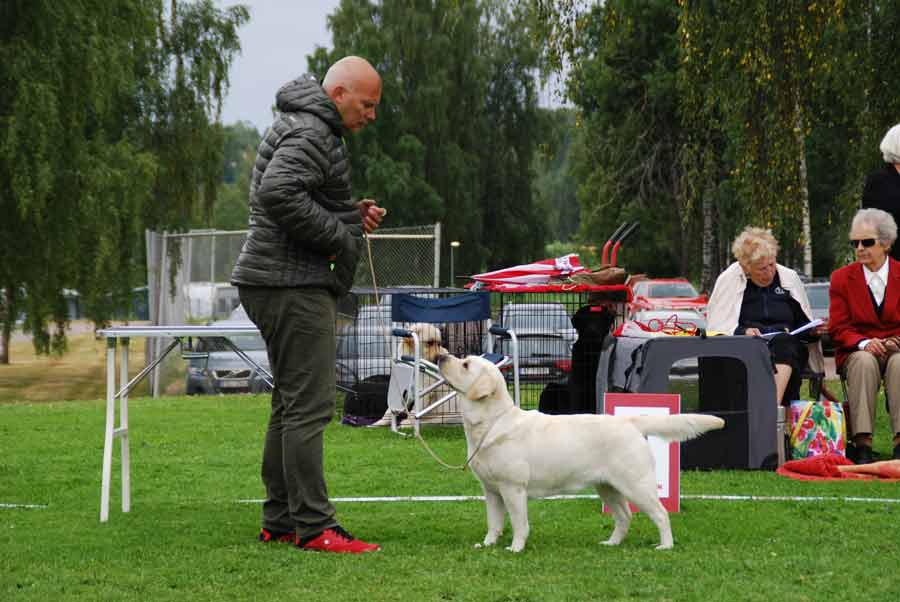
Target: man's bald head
{"type": "Point", "coordinates": [355, 88]}
{"type": "Point", "coordinates": [348, 71]}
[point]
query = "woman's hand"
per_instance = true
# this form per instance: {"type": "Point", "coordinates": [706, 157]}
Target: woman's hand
{"type": "Point", "coordinates": [892, 344]}
{"type": "Point", "coordinates": [752, 332]}
{"type": "Point", "coordinates": [877, 348]}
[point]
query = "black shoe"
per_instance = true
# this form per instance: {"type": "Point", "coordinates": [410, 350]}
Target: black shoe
{"type": "Point", "coordinates": [863, 455]}
{"type": "Point", "coordinates": [897, 452]}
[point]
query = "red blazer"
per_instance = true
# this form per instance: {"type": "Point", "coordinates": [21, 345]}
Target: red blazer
{"type": "Point", "coordinates": [852, 317]}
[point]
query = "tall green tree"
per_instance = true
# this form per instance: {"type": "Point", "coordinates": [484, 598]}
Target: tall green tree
{"type": "Point", "coordinates": [765, 64]}
{"type": "Point", "coordinates": [554, 186]}
{"type": "Point", "coordinates": [454, 138]}
{"type": "Point", "coordinates": [107, 126]}
{"type": "Point", "coordinates": [781, 107]}
{"type": "Point", "coordinates": [231, 211]}
{"type": "Point", "coordinates": [625, 88]}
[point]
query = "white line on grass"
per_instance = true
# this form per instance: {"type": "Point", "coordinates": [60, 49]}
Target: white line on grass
{"type": "Point", "coordinates": [29, 506]}
{"type": "Point", "coordinates": [728, 498]}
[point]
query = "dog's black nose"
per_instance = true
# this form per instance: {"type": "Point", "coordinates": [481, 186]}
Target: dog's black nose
{"type": "Point", "coordinates": [441, 358]}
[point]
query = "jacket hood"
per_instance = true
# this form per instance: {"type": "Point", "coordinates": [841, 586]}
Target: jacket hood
{"type": "Point", "coordinates": [305, 94]}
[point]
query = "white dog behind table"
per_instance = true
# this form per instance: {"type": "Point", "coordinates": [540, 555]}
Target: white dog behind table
{"type": "Point", "coordinates": [430, 347]}
{"type": "Point", "coordinates": [519, 454]}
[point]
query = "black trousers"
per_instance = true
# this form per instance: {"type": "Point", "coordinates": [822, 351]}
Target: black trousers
{"type": "Point", "coordinates": [787, 349]}
{"type": "Point", "coordinates": [298, 328]}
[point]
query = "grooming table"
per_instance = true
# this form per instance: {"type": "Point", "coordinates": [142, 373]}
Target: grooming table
{"type": "Point", "coordinates": [123, 334]}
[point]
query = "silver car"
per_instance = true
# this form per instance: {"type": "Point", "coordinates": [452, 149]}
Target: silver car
{"type": "Point", "coordinates": [545, 319]}
{"type": "Point", "coordinates": [216, 369]}
{"type": "Point", "coordinates": [817, 292]}
{"type": "Point", "coordinates": [545, 334]}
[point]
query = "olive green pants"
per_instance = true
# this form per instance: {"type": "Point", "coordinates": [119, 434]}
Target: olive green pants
{"type": "Point", "coordinates": [298, 327]}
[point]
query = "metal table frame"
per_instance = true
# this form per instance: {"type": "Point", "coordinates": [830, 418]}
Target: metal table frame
{"type": "Point", "coordinates": [124, 334]}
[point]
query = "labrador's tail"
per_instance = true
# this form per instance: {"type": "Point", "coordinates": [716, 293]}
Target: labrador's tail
{"type": "Point", "coordinates": [678, 427]}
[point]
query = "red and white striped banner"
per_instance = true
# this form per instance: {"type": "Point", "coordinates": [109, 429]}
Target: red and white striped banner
{"type": "Point", "coordinates": [539, 272]}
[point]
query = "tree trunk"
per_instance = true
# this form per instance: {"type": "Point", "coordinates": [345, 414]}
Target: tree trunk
{"type": "Point", "coordinates": [804, 195]}
{"type": "Point", "coordinates": [709, 269]}
{"type": "Point", "coordinates": [7, 320]}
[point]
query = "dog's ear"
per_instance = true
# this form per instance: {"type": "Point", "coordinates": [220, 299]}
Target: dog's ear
{"type": "Point", "coordinates": [483, 386]}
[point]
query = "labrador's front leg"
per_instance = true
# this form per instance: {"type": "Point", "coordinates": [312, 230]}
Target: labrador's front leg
{"type": "Point", "coordinates": [496, 514]}
{"type": "Point", "coordinates": [516, 500]}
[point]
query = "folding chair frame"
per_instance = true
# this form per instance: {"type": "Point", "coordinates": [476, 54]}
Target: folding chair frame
{"type": "Point", "coordinates": [399, 395]}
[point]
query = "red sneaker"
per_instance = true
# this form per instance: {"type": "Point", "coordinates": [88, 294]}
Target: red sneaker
{"type": "Point", "coordinates": [337, 540]}
{"type": "Point", "coordinates": [266, 536]}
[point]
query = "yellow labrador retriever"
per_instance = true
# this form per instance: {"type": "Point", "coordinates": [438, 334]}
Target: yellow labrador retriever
{"type": "Point", "coordinates": [430, 349]}
{"type": "Point", "coordinates": [429, 340]}
{"type": "Point", "coordinates": [518, 454]}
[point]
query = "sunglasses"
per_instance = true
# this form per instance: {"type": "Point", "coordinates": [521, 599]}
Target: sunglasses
{"type": "Point", "coordinates": [866, 242]}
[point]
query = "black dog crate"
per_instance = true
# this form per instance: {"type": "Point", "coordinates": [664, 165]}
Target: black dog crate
{"type": "Point", "coordinates": [726, 376]}
{"type": "Point", "coordinates": [560, 334]}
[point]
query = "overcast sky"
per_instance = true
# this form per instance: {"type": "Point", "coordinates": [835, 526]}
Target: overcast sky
{"type": "Point", "coordinates": [274, 47]}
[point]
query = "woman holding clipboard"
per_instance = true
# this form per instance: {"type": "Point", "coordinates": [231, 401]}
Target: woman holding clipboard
{"type": "Point", "coordinates": [755, 296]}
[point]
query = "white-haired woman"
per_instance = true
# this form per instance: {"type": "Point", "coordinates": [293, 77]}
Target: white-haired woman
{"type": "Point", "coordinates": [864, 321]}
{"type": "Point", "coordinates": [756, 296]}
{"type": "Point", "coordinates": [882, 190]}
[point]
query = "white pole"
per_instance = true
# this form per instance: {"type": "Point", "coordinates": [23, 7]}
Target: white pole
{"type": "Point", "coordinates": [123, 427]}
{"type": "Point", "coordinates": [106, 474]}
{"type": "Point", "coordinates": [437, 255]}
{"type": "Point", "coordinates": [160, 313]}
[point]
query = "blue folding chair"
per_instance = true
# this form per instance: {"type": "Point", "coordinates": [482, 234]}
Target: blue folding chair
{"type": "Point", "coordinates": [467, 330]}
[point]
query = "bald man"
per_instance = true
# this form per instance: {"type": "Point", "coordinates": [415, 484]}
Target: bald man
{"type": "Point", "coordinates": [300, 255]}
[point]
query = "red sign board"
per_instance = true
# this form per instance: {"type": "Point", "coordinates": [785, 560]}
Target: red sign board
{"type": "Point", "coordinates": [667, 455]}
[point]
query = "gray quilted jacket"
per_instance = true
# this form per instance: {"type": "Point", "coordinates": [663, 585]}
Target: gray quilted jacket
{"type": "Point", "coordinates": [305, 231]}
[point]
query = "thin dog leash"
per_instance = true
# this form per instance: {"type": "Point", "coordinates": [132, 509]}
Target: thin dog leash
{"type": "Point", "coordinates": [372, 269]}
{"type": "Point", "coordinates": [474, 452]}
{"type": "Point", "coordinates": [418, 435]}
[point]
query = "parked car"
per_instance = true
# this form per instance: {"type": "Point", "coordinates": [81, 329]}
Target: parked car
{"type": "Point", "coordinates": [668, 293]}
{"type": "Point", "coordinates": [545, 319]}
{"type": "Point", "coordinates": [545, 335]}
{"type": "Point", "coordinates": [364, 351]}
{"type": "Point", "coordinates": [817, 292]}
{"type": "Point", "coordinates": [542, 357]}
{"type": "Point", "coordinates": [217, 369]}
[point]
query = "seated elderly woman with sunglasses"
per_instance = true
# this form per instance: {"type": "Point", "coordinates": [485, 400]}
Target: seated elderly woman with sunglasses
{"type": "Point", "coordinates": [755, 296]}
{"type": "Point", "coordinates": [864, 322]}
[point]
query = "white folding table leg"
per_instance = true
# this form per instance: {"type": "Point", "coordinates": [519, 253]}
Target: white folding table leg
{"type": "Point", "coordinates": [122, 431]}
{"type": "Point", "coordinates": [110, 425]}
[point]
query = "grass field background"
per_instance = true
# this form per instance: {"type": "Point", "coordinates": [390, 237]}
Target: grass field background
{"type": "Point", "coordinates": [190, 535]}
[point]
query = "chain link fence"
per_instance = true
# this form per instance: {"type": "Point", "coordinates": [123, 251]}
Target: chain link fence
{"type": "Point", "coordinates": [188, 275]}
{"type": "Point", "coordinates": [401, 257]}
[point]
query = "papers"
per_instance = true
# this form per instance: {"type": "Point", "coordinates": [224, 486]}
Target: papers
{"type": "Point", "coordinates": [804, 328]}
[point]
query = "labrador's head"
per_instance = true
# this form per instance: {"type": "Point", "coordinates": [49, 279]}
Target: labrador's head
{"type": "Point", "coordinates": [429, 340]}
{"type": "Point", "coordinates": [475, 377]}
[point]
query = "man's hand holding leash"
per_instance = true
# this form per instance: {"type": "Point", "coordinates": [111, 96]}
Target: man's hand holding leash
{"type": "Point", "coordinates": [371, 214]}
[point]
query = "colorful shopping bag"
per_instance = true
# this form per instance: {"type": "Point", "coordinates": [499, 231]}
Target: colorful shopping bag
{"type": "Point", "coordinates": [817, 427]}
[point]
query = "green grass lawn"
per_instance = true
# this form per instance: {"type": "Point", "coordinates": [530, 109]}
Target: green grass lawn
{"type": "Point", "coordinates": [188, 536]}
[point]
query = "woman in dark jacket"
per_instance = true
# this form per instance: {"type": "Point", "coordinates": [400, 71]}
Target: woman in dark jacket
{"type": "Point", "coordinates": [755, 296]}
{"type": "Point", "coordinates": [882, 189]}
